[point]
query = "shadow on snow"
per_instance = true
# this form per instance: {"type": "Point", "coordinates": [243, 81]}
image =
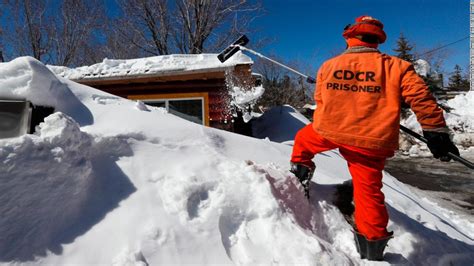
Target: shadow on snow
{"type": "Point", "coordinates": [431, 247]}
{"type": "Point", "coordinates": [37, 233]}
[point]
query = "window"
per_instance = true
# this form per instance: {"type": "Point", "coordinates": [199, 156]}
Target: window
{"type": "Point", "coordinates": [161, 104]}
{"type": "Point", "coordinates": [193, 106]}
{"type": "Point", "coordinates": [191, 109]}
{"type": "Point", "coordinates": [14, 118]}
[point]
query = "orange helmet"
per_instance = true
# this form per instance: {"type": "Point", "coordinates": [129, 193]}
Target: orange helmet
{"type": "Point", "coordinates": [365, 25]}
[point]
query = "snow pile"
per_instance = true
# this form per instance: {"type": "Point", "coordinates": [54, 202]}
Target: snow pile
{"type": "Point", "coordinates": [150, 65]}
{"type": "Point", "coordinates": [26, 79]}
{"type": "Point", "coordinates": [460, 119]}
{"type": "Point", "coordinates": [49, 181]}
{"type": "Point", "coordinates": [139, 186]}
{"type": "Point", "coordinates": [279, 124]}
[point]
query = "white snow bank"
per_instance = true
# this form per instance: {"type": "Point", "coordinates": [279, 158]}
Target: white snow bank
{"type": "Point", "coordinates": [141, 186]}
{"type": "Point", "coordinates": [48, 186]}
{"type": "Point", "coordinates": [25, 78]}
{"type": "Point", "coordinates": [150, 65]}
{"type": "Point", "coordinates": [460, 120]}
{"type": "Point", "coordinates": [279, 124]}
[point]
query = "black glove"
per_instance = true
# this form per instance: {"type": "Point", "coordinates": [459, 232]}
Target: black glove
{"type": "Point", "coordinates": [440, 144]}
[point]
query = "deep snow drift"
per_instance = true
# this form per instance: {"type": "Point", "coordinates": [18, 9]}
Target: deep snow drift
{"type": "Point", "coordinates": [113, 181]}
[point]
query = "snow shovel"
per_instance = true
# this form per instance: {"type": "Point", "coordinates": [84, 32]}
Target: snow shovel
{"type": "Point", "coordinates": [240, 45]}
{"type": "Point", "coordinates": [232, 49]}
{"type": "Point", "coordinates": [243, 40]}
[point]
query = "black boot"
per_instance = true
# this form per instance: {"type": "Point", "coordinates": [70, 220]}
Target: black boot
{"type": "Point", "coordinates": [361, 244]}
{"type": "Point", "coordinates": [343, 199]}
{"type": "Point", "coordinates": [371, 249]}
{"type": "Point", "coordinates": [304, 174]}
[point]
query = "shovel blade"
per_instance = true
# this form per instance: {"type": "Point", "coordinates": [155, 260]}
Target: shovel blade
{"type": "Point", "coordinates": [232, 49]}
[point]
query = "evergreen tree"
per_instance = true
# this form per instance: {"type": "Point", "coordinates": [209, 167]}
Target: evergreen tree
{"type": "Point", "coordinates": [457, 81]}
{"type": "Point", "coordinates": [404, 49]}
{"type": "Point", "coordinates": [433, 83]}
{"type": "Point", "coordinates": [467, 81]}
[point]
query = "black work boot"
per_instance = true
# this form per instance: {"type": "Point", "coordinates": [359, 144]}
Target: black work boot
{"type": "Point", "coordinates": [361, 244]}
{"type": "Point", "coordinates": [371, 249]}
{"type": "Point", "coordinates": [343, 199]}
{"type": "Point", "coordinates": [304, 174]}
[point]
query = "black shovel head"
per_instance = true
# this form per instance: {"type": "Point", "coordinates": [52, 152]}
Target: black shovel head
{"type": "Point", "coordinates": [232, 49]}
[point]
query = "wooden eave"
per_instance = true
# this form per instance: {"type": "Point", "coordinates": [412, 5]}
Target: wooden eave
{"type": "Point", "coordinates": [165, 76]}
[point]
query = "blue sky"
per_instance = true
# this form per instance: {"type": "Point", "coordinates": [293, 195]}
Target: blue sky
{"type": "Point", "coordinates": [310, 30]}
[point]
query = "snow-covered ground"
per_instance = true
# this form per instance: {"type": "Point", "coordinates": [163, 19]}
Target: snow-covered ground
{"type": "Point", "coordinates": [111, 181]}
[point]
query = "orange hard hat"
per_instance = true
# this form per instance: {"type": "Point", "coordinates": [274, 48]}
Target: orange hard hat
{"type": "Point", "coordinates": [365, 25]}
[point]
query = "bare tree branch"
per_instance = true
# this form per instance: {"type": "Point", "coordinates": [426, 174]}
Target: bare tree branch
{"type": "Point", "coordinates": [76, 32]}
{"type": "Point", "coordinates": [146, 24]}
{"type": "Point", "coordinates": [222, 20]}
{"type": "Point", "coordinates": [56, 34]}
{"type": "Point", "coordinates": [28, 20]}
{"type": "Point", "coordinates": [186, 26]}
{"type": "Point", "coordinates": [74, 29]}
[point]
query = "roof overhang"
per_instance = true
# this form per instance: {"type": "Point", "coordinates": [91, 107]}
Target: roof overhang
{"type": "Point", "coordinates": [161, 76]}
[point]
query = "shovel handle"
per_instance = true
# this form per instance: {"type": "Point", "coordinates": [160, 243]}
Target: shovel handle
{"type": "Point", "coordinates": [450, 155]}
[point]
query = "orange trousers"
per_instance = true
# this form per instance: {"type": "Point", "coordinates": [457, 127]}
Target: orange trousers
{"type": "Point", "coordinates": [365, 166]}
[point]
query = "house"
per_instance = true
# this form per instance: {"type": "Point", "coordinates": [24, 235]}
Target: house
{"type": "Point", "coordinates": [194, 87]}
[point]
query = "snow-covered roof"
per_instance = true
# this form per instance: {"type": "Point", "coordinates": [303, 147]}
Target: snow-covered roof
{"type": "Point", "coordinates": [150, 66]}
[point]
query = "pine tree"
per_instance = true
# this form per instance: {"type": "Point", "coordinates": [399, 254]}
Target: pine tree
{"type": "Point", "coordinates": [457, 81]}
{"type": "Point", "coordinates": [404, 49]}
{"type": "Point", "coordinates": [467, 82]}
{"type": "Point", "coordinates": [433, 82]}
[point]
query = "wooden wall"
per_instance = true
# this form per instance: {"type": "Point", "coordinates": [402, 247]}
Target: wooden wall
{"type": "Point", "coordinates": [213, 84]}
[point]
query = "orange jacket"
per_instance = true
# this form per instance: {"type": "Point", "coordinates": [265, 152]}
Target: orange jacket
{"type": "Point", "coordinates": [358, 96]}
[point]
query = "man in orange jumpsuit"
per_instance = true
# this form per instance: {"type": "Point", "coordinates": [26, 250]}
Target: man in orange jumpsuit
{"type": "Point", "coordinates": [358, 96]}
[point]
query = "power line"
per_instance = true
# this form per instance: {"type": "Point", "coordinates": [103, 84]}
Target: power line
{"type": "Point", "coordinates": [444, 46]}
